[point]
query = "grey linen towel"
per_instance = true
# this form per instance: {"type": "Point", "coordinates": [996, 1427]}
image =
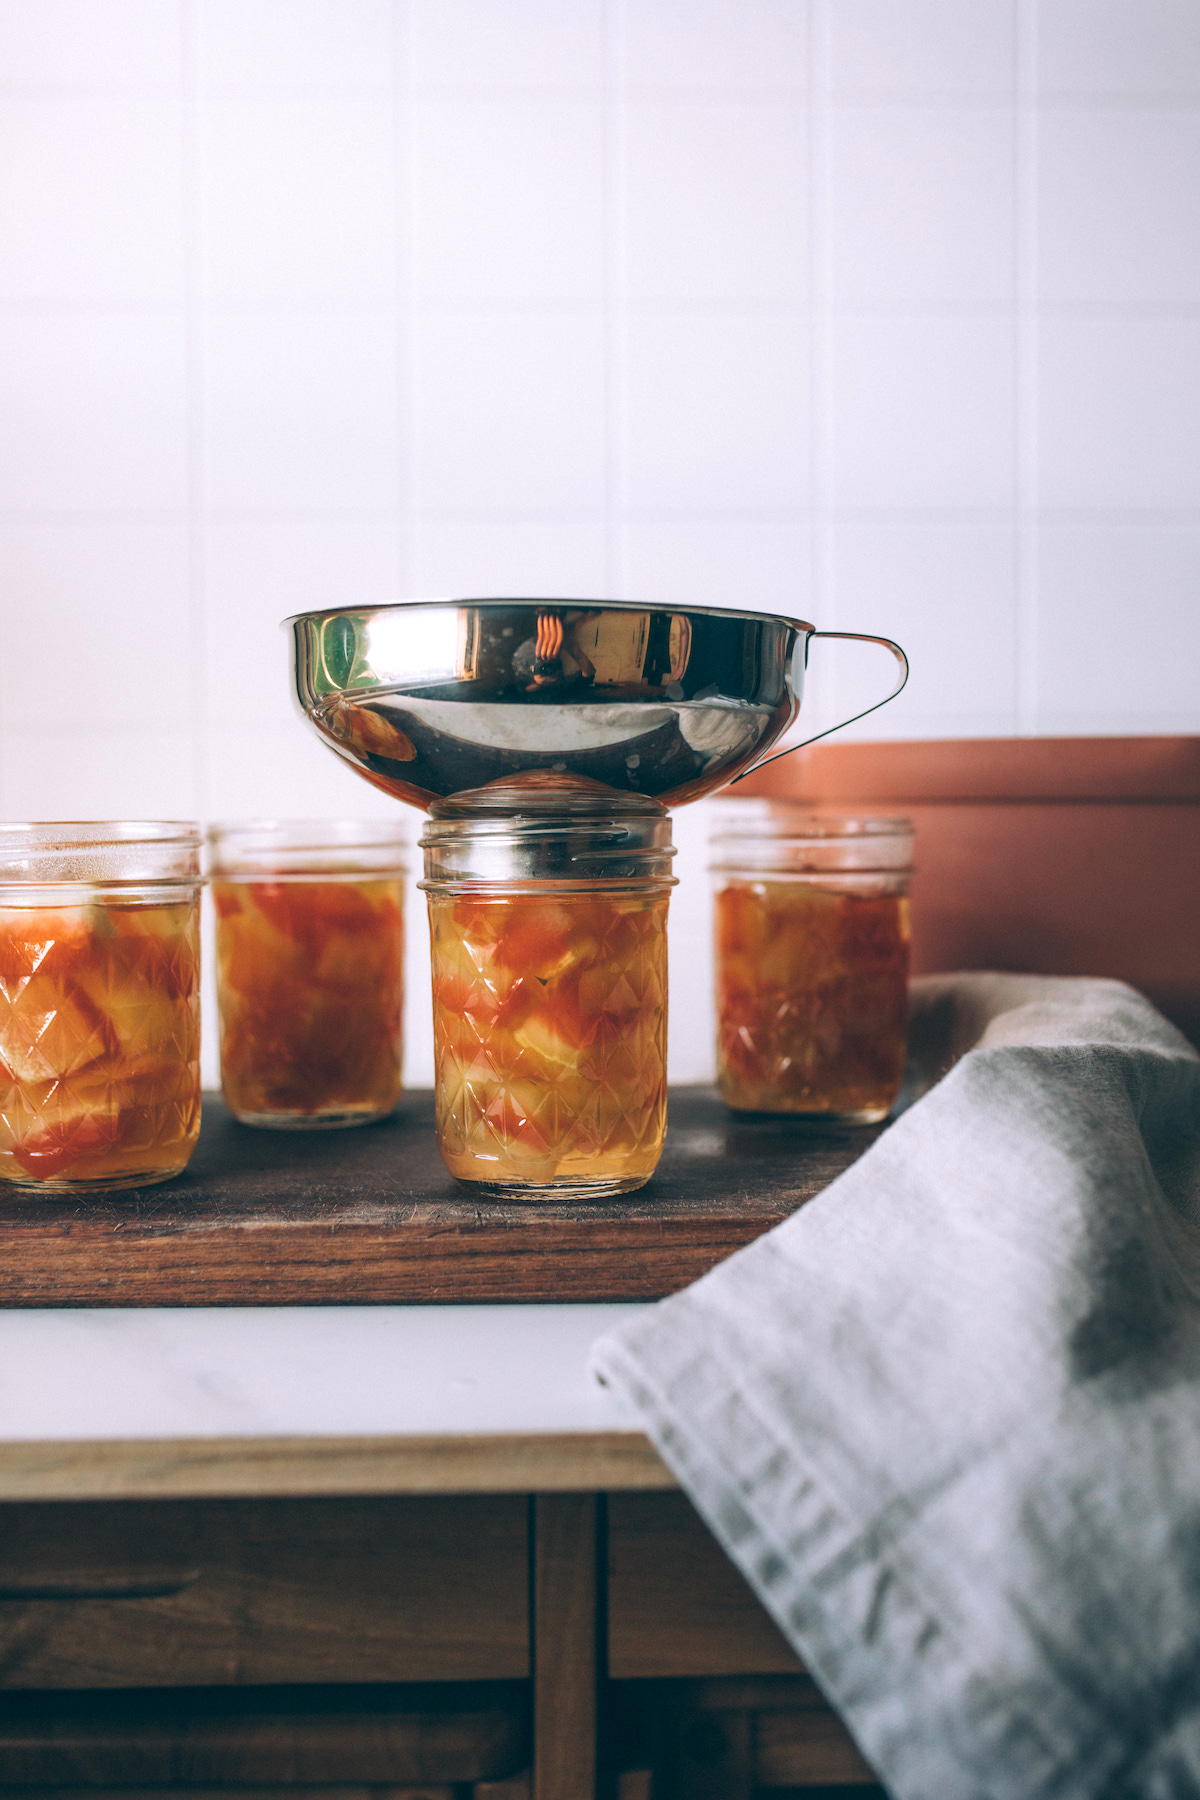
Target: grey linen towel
{"type": "Point", "coordinates": [946, 1418]}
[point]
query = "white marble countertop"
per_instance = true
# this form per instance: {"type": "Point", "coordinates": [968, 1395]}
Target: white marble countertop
{"type": "Point", "coordinates": [319, 1399]}
{"type": "Point", "coordinates": [359, 1371]}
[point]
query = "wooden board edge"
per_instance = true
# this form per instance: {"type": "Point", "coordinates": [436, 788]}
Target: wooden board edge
{"type": "Point", "coordinates": [374, 1269]}
{"type": "Point", "coordinates": [196, 1468]}
{"type": "Point", "coordinates": [403, 1289]}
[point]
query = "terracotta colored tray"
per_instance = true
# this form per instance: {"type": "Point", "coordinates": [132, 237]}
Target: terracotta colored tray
{"type": "Point", "coordinates": [370, 1216]}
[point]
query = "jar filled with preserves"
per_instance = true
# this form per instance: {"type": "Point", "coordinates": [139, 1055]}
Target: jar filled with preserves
{"type": "Point", "coordinates": [99, 1003]}
{"type": "Point", "coordinates": [548, 927]}
{"type": "Point", "coordinates": [811, 960]}
{"type": "Point", "coordinates": [310, 969]}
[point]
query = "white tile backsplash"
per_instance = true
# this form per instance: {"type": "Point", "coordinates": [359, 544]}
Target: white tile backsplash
{"type": "Point", "coordinates": [690, 1027]}
{"type": "Point", "coordinates": [944, 590]}
{"type": "Point", "coordinates": [467, 555]}
{"type": "Point", "coordinates": [108, 171]}
{"type": "Point", "coordinates": [715, 200]}
{"type": "Point", "coordinates": [921, 205]}
{"type": "Point", "coordinates": [93, 411]}
{"type": "Point", "coordinates": [752, 565]}
{"type": "Point", "coordinates": [60, 771]}
{"type": "Point", "coordinates": [297, 198]}
{"type": "Point", "coordinates": [1120, 401]}
{"type": "Point", "coordinates": [922, 411]}
{"type": "Point", "coordinates": [89, 43]}
{"type": "Point", "coordinates": [510, 410]}
{"type": "Point", "coordinates": [535, 45]}
{"type": "Point", "coordinates": [715, 411]}
{"type": "Point", "coordinates": [1119, 207]}
{"type": "Point", "coordinates": [300, 410]}
{"type": "Point", "coordinates": [1119, 624]}
{"type": "Point", "coordinates": [733, 46]}
{"type": "Point", "coordinates": [102, 608]}
{"type": "Point", "coordinates": [296, 43]}
{"type": "Point", "coordinates": [507, 200]}
{"type": "Point", "coordinates": [920, 46]}
{"type": "Point", "coordinates": [885, 313]}
{"type": "Point", "coordinates": [1100, 47]}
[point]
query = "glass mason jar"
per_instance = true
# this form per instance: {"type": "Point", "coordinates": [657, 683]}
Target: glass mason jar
{"type": "Point", "coordinates": [548, 925]}
{"type": "Point", "coordinates": [310, 969]}
{"type": "Point", "coordinates": [99, 1003]}
{"type": "Point", "coordinates": [811, 960]}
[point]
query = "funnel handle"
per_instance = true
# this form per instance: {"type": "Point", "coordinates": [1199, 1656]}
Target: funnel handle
{"type": "Point", "coordinates": [857, 637]}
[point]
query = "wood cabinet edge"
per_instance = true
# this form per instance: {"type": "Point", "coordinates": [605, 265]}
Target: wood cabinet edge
{"type": "Point", "coordinates": [193, 1468]}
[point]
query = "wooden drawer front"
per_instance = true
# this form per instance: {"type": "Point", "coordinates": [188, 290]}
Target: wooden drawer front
{"type": "Point", "coordinates": [745, 1737]}
{"type": "Point", "coordinates": [191, 1593]}
{"type": "Point", "coordinates": [216, 1738]}
{"type": "Point", "coordinates": [676, 1604]}
{"type": "Point", "coordinates": [793, 1749]}
{"type": "Point", "coordinates": [342, 1791]}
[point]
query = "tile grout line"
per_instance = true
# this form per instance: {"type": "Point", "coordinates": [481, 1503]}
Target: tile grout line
{"type": "Point", "coordinates": [197, 523]}
{"type": "Point", "coordinates": [822, 600]}
{"type": "Point", "coordinates": [615, 299]}
{"type": "Point", "coordinates": [966, 99]}
{"type": "Point", "coordinates": [1100, 311]}
{"type": "Point", "coordinates": [408, 511]}
{"type": "Point", "coordinates": [194, 380]}
{"type": "Point", "coordinates": [810, 318]}
{"type": "Point", "coordinates": [1026, 473]}
{"type": "Point", "coordinates": [900, 514]}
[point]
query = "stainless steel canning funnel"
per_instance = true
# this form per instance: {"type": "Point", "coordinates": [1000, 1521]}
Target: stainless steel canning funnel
{"type": "Point", "coordinates": [434, 697]}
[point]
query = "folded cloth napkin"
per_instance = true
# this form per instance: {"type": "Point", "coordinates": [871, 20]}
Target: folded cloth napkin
{"type": "Point", "coordinates": [946, 1418]}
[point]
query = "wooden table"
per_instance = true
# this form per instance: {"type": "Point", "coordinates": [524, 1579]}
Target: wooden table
{"type": "Point", "coordinates": [186, 1513]}
{"type": "Point", "coordinates": [370, 1217]}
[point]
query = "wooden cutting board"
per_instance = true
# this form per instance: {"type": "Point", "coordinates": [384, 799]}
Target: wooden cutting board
{"type": "Point", "coordinates": [370, 1217]}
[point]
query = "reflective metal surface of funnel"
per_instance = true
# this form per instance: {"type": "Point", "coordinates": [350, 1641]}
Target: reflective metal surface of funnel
{"type": "Point", "coordinates": [431, 698]}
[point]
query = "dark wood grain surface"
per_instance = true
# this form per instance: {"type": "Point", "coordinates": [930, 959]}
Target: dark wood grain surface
{"type": "Point", "coordinates": [324, 1739]}
{"type": "Point", "coordinates": [120, 1594]}
{"type": "Point", "coordinates": [368, 1217]}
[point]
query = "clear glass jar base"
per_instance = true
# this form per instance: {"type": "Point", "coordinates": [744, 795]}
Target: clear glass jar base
{"type": "Point", "coordinates": [334, 1120]}
{"type": "Point", "coordinates": [866, 1115]}
{"type": "Point", "coordinates": [604, 1187]}
{"type": "Point", "coordinates": [100, 1184]}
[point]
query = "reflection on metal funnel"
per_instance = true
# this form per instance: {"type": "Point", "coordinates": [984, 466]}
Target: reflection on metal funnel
{"type": "Point", "coordinates": [429, 699]}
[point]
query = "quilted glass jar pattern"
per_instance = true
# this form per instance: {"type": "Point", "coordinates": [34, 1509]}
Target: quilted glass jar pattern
{"type": "Point", "coordinates": [548, 928]}
{"type": "Point", "coordinates": [99, 1004]}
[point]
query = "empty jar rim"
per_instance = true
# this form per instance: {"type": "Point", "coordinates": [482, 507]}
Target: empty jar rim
{"type": "Point", "coordinates": [787, 839]}
{"type": "Point", "coordinates": [577, 839]}
{"type": "Point", "coordinates": [98, 854]}
{"type": "Point", "coordinates": [299, 849]}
